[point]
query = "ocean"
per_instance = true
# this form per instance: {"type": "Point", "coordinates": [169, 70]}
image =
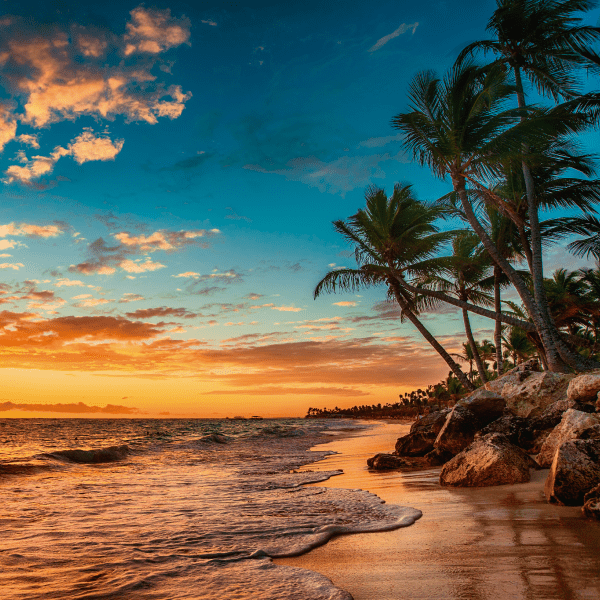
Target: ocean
{"type": "Point", "coordinates": [171, 509]}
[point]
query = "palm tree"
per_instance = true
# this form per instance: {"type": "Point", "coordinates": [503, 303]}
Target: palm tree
{"type": "Point", "coordinates": [392, 236]}
{"type": "Point", "coordinates": [543, 40]}
{"type": "Point", "coordinates": [518, 345]}
{"type": "Point", "coordinates": [455, 127]}
{"type": "Point", "coordinates": [469, 268]}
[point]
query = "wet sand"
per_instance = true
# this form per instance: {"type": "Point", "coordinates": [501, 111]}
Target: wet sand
{"type": "Point", "coordinates": [498, 543]}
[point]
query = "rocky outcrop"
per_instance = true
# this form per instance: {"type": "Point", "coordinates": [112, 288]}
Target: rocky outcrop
{"type": "Point", "coordinates": [516, 429]}
{"type": "Point", "coordinates": [467, 418]}
{"type": "Point", "coordinates": [104, 455]}
{"type": "Point", "coordinates": [574, 472]}
{"type": "Point", "coordinates": [423, 432]}
{"type": "Point", "coordinates": [571, 426]}
{"type": "Point", "coordinates": [490, 460]}
{"type": "Point", "coordinates": [386, 462]}
{"type": "Point", "coordinates": [528, 393]}
{"type": "Point", "coordinates": [458, 431]}
{"type": "Point", "coordinates": [487, 406]}
{"type": "Point", "coordinates": [591, 503]}
{"type": "Point", "coordinates": [437, 458]}
{"type": "Point", "coordinates": [584, 388]}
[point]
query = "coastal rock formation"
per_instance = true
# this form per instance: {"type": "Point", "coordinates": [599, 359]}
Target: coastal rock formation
{"type": "Point", "coordinates": [528, 393]}
{"type": "Point", "coordinates": [383, 462]}
{"type": "Point", "coordinates": [458, 431]}
{"type": "Point", "coordinates": [104, 455]}
{"type": "Point", "coordinates": [423, 432]}
{"type": "Point", "coordinates": [591, 503]}
{"type": "Point", "coordinates": [571, 426]}
{"type": "Point", "coordinates": [490, 460]}
{"type": "Point", "coordinates": [584, 388]}
{"type": "Point", "coordinates": [516, 429]}
{"type": "Point", "coordinates": [487, 406]}
{"type": "Point", "coordinates": [437, 457]}
{"type": "Point", "coordinates": [574, 472]}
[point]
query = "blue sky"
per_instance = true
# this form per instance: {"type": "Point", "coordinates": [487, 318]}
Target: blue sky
{"type": "Point", "coordinates": [170, 174]}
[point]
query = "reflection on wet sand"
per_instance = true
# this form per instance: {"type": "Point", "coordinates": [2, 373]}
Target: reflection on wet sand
{"type": "Point", "coordinates": [494, 543]}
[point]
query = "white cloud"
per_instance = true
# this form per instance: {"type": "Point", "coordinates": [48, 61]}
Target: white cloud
{"type": "Point", "coordinates": [384, 40]}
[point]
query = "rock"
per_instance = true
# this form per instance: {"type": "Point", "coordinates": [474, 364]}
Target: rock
{"type": "Point", "coordinates": [458, 431]}
{"type": "Point", "coordinates": [591, 503]}
{"type": "Point", "coordinates": [552, 416]}
{"type": "Point", "coordinates": [575, 471]}
{"type": "Point", "coordinates": [585, 387]}
{"type": "Point", "coordinates": [516, 429]}
{"type": "Point", "coordinates": [422, 434]}
{"type": "Point", "coordinates": [598, 403]}
{"type": "Point", "coordinates": [486, 405]}
{"type": "Point", "coordinates": [490, 460]}
{"type": "Point", "coordinates": [572, 424]}
{"type": "Point", "coordinates": [104, 455]}
{"type": "Point", "coordinates": [591, 433]}
{"type": "Point", "coordinates": [437, 457]}
{"type": "Point", "coordinates": [528, 393]}
{"type": "Point", "coordinates": [382, 462]}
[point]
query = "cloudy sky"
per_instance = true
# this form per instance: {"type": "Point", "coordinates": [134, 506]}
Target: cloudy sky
{"type": "Point", "coordinates": [170, 173]}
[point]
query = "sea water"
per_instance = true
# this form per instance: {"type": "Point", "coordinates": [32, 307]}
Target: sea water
{"type": "Point", "coordinates": [170, 509]}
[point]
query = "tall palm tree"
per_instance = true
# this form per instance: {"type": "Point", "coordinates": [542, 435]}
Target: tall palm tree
{"type": "Point", "coordinates": [469, 268]}
{"type": "Point", "coordinates": [392, 236]}
{"type": "Point", "coordinates": [455, 127]}
{"type": "Point", "coordinates": [544, 41]}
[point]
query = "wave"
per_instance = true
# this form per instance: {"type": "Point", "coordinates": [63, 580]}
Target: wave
{"type": "Point", "coordinates": [102, 455]}
{"type": "Point", "coordinates": [23, 468]}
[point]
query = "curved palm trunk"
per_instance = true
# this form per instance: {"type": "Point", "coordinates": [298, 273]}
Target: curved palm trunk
{"type": "Point", "coordinates": [427, 335]}
{"type": "Point", "coordinates": [484, 312]}
{"type": "Point", "coordinates": [551, 338]}
{"type": "Point", "coordinates": [555, 361]}
{"type": "Point", "coordinates": [480, 368]}
{"type": "Point", "coordinates": [498, 328]}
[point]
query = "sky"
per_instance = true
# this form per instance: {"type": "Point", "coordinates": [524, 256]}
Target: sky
{"type": "Point", "coordinates": [170, 173]}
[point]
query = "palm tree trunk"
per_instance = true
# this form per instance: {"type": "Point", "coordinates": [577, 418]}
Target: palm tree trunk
{"type": "Point", "coordinates": [480, 368]}
{"type": "Point", "coordinates": [555, 361]}
{"type": "Point", "coordinates": [554, 345]}
{"type": "Point", "coordinates": [484, 312]}
{"type": "Point", "coordinates": [498, 329]}
{"type": "Point", "coordinates": [427, 335]}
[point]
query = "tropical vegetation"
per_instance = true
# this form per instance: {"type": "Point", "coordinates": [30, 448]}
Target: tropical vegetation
{"type": "Point", "coordinates": [504, 133]}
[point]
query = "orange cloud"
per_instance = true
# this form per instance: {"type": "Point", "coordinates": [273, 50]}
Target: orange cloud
{"type": "Point", "coordinates": [84, 148]}
{"type": "Point", "coordinates": [140, 267]}
{"type": "Point", "coordinates": [29, 230]}
{"type": "Point", "coordinates": [163, 240]}
{"type": "Point", "coordinates": [154, 31]}
{"type": "Point", "coordinates": [162, 311]}
{"type": "Point", "coordinates": [344, 303]}
{"type": "Point", "coordinates": [72, 408]}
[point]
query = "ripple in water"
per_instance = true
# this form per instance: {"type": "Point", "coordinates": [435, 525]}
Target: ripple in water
{"type": "Point", "coordinates": [180, 509]}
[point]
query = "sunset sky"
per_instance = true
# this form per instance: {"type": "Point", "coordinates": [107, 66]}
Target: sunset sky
{"type": "Point", "coordinates": [170, 173]}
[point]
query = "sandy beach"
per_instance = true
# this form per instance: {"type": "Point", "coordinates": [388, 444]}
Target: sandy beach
{"type": "Point", "coordinates": [495, 543]}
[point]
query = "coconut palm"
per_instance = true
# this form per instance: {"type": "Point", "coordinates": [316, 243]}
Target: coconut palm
{"type": "Point", "coordinates": [392, 236]}
{"type": "Point", "coordinates": [544, 41]}
{"type": "Point", "coordinates": [456, 128]}
{"type": "Point", "coordinates": [518, 345]}
{"type": "Point", "coordinates": [469, 269]}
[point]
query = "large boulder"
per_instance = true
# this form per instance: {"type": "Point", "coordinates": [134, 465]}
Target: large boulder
{"type": "Point", "coordinates": [528, 393]}
{"type": "Point", "coordinates": [584, 388]}
{"type": "Point", "coordinates": [458, 431]}
{"type": "Point", "coordinates": [574, 472]}
{"type": "Point", "coordinates": [591, 503]}
{"type": "Point", "coordinates": [467, 417]}
{"type": "Point", "coordinates": [386, 462]}
{"type": "Point", "coordinates": [490, 460]}
{"type": "Point", "coordinates": [423, 432]}
{"type": "Point", "coordinates": [572, 425]}
{"type": "Point", "coordinates": [486, 405]}
{"type": "Point", "coordinates": [516, 429]}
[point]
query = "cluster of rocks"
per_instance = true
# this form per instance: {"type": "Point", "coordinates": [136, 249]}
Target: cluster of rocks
{"type": "Point", "coordinates": [525, 419]}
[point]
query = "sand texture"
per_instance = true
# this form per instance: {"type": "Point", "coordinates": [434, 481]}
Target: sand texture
{"type": "Point", "coordinates": [496, 543]}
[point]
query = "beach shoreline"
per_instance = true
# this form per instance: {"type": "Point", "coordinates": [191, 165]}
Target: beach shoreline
{"type": "Point", "coordinates": [504, 542]}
